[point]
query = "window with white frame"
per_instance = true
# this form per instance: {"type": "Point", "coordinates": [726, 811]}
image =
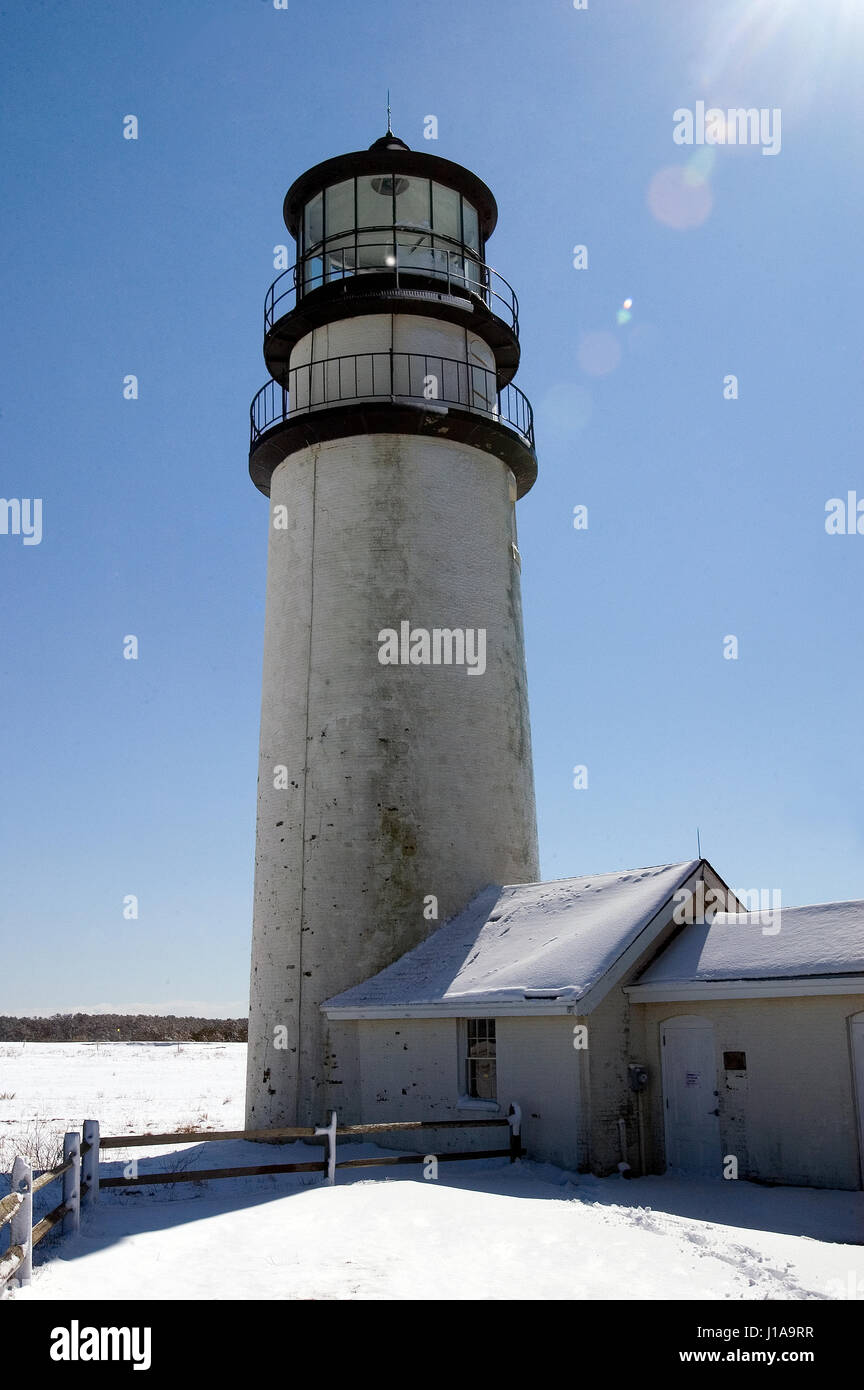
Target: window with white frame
{"type": "Point", "coordinates": [479, 1072]}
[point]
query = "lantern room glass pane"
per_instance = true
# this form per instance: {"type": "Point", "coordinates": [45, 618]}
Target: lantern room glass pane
{"type": "Point", "coordinates": [313, 221]}
{"type": "Point", "coordinates": [413, 207]}
{"type": "Point", "coordinates": [375, 251]}
{"type": "Point", "coordinates": [475, 279]}
{"type": "Point", "coordinates": [415, 251]}
{"type": "Point", "coordinates": [471, 226]}
{"type": "Point", "coordinates": [339, 259]}
{"type": "Point", "coordinates": [375, 201]}
{"type": "Point", "coordinates": [454, 267]}
{"type": "Point", "coordinates": [445, 211]}
{"type": "Point", "coordinates": [312, 272]}
{"type": "Point", "coordinates": [340, 207]}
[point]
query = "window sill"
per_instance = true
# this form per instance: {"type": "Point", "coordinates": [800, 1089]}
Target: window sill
{"type": "Point", "coordinates": [468, 1103]}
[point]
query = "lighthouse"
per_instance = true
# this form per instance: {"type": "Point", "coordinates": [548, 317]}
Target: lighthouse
{"type": "Point", "coordinates": [395, 778]}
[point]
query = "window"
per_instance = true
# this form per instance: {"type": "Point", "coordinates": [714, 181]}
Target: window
{"type": "Point", "coordinates": [445, 212]}
{"type": "Point", "coordinates": [734, 1061]}
{"type": "Point", "coordinates": [480, 1078]}
{"type": "Point", "coordinates": [313, 221]}
{"type": "Point", "coordinates": [374, 201]}
{"type": "Point", "coordinates": [412, 204]}
{"type": "Point", "coordinates": [379, 221]}
{"type": "Point", "coordinates": [470, 226]}
{"type": "Point", "coordinates": [340, 208]}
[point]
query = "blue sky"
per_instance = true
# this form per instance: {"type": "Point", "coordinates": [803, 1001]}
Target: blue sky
{"type": "Point", "coordinates": [706, 515]}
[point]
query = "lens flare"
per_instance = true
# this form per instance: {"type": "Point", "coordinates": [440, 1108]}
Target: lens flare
{"type": "Point", "coordinates": [678, 203]}
{"type": "Point", "coordinates": [598, 354]}
{"type": "Point", "coordinates": [699, 166]}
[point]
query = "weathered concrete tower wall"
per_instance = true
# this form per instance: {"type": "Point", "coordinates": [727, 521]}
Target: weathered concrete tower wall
{"type": "Point", "coordinates": [403, 781]}
{"type": "Point", "coordinates": [392, 478]}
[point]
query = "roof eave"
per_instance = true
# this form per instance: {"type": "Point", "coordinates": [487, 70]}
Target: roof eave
{"type": "Point", "coordinates": [461, 1008]}
{"type": "Point", "coordinates": [776, 987]}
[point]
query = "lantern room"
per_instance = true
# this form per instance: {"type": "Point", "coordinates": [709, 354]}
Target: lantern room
{"type": "Point", "coordinates": [374, 222]}
{"type": "Point", "coordinates": [393, 222]}
{"type": "Point", "coordinates": [391, 320]}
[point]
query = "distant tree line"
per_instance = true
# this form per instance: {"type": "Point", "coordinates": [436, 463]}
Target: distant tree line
{"type": "Point", "coordinates": [122, 1028]}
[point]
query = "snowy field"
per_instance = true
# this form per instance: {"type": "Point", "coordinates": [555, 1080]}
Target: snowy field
{"type": "Point", "coordinates": [481, 1231]}
{"type": "Point", "coordinates": [48, 1088]}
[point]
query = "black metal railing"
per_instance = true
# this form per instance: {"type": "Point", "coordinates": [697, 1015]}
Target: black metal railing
{"type": "Point", "coordinates": [417, 377]}
{"type": "Point", "coordinates": [404, 255]}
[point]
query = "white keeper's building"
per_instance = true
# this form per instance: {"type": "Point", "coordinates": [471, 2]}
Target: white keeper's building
{"type": "Point", "coordinates": [625, 1036]}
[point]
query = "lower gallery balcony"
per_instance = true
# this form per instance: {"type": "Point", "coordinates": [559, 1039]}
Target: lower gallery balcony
{"type": "Point", "coordinates": [391, 392]}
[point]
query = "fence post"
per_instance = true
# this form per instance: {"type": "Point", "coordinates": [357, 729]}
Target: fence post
{"type": "Point", "coordinates": [72, 1183]}
{"type": "Point", "coordinates": [329, 1131]}
{"type": "Point", "coordinates": [21, 1226]}
{"type": "Point", "coordinates": [90, 1163]}
{"type": "Point", "coordinates": [514, 1120]}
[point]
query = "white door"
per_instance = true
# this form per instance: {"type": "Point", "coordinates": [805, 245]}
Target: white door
{"type": "Point", "coordinates": [857, 1026]}
{"type": "Point", "coordinates": [690, 1096]}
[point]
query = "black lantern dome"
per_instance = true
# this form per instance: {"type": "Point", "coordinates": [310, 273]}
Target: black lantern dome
{"type": "Point", "coordinates": [389, 142]}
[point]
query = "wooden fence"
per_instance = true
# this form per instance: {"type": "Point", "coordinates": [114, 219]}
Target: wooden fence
{"type": "Point", "coordinates": [79, 1171]}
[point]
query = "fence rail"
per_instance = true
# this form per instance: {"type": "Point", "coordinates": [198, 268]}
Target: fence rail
{"type": "Point", "coordinates": [79, 1171]}
{"type": "Point", "coordinates": [202, 1136]}
{"type": "Point", "coordinates": [420, 378]}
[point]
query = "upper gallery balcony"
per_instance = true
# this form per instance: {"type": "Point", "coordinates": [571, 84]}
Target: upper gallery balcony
{"type": "Point", "coordinates": [389, 269]}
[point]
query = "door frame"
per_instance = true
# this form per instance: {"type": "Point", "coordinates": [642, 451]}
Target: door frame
{"type": "Point", "coordinates": [858, 1088]}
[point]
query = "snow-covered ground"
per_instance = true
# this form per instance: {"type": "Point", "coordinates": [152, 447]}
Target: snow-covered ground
{"type": "Point", "coordinates": [485, 1230]}
{"type": "Point", "coordinates": [127, 1087]}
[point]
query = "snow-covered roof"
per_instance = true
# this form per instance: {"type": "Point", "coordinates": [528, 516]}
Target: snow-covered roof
{"type": "Point", "coordinates": [525, 941]}
{"type": "Point", "coordinates": [775, 944]}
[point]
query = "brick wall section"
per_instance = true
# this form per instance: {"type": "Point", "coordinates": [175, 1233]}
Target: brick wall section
{"type": "Point", "coordinates": [613, 1042]}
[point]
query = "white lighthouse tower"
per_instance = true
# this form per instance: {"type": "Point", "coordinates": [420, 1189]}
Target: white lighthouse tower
{"type": "Point", "coordinates": [395, 776]}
